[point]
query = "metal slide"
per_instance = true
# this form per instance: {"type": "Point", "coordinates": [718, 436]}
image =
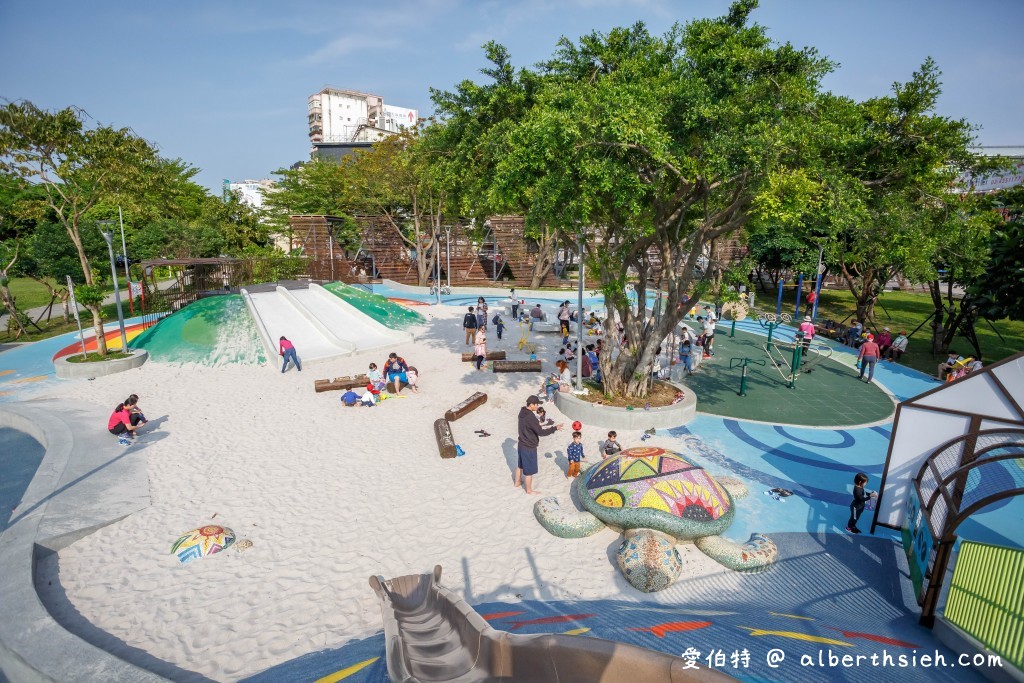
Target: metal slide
{"type": "Point", "coordinates": [431, 634]}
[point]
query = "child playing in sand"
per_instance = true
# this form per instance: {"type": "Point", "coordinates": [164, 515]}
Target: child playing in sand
{"type": "Point", "coordinates": [612, 445]}
{"type": "Point", "coordinates": [480, 349]}
{"type": "Point", "coordinates": [376, 378]}
{"type": "Point", "coordinates": [413, 375]}
{"type": "Point", "coordinates": [543, 418]}
{"type": "Point", "coordinates": [574, 451]}
{"type": "Point", "coordinates": [350, 398]}
{"type": "Point", "coordinates": [134, 411]}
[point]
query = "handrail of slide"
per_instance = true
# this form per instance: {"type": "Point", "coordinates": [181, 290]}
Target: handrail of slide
{"type": "Point", "coordinates": [431, 634]}
{"type": "Point", "coordinates": [261, 328]}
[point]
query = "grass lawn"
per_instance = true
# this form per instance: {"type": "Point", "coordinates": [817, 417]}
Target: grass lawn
{"type": "Point", "coordinates": [904, 311]}
{"type": "Point", "coordinates": [57, 325]}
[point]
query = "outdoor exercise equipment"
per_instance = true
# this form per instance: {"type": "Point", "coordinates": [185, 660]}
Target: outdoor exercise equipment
{"type": "Point", "coordinates": [794, 364]}
{"type": "Point", "coordinates": [796, 356]}
{"type": "Point", "coordinates": [770, 321]}
{"type": "Point", "coordinates": [470, 404]}
{"type": "Point", "coordinates": [743, 363]}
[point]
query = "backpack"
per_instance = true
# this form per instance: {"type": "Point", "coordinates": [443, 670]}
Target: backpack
{"type": "Point", "coordinates": [494, 320]}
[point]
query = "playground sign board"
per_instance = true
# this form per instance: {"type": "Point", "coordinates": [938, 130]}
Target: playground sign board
{"type": "Point", "coordinates": [917, 540]}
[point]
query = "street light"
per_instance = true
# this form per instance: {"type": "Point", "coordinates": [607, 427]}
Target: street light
{"type": "Point", "coordinates": [579, 316]}
{"type": "Point", "coordinates": [108, 235]}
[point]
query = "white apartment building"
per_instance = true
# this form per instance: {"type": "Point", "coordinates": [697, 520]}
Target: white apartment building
{"type": "Point", "coordinates": [250, 192]}
{"type": "Point", "coordinates": [348, 116]}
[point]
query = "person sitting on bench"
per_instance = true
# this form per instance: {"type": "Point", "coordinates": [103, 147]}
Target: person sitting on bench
{"type": "Point", "coordinates": [898, 347]}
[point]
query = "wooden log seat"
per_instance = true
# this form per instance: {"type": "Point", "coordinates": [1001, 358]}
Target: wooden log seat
{"type": "Point", "coordinates": [445, 440]}
{"type": "Point", "coordinates": [491, 355]}
{"type": "Point", "coordinates": [516, 366]}
{"type": "Point", "coordinates": [343, 383]}
{"type": "Point", "coordinates": [467, 406]}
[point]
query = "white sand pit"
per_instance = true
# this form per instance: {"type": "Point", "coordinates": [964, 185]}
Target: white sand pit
{"type": "Point", "coordinates": [328, 496]}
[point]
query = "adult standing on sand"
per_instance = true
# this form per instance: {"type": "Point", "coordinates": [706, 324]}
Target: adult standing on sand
{"type": "Point", "coordinates": [469, 325]}
{"type": "Point", "coordinates": [530, 432]}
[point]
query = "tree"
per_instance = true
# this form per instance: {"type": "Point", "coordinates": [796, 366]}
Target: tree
{"type": "Point", "coordinates": [398, 180]}
{"type": "Point", "coordinates": [471, 141]}
{"type": "Point", "coordinates": [319, 187]}
{"type": "Point", "coordinates": [888, 166]}
{"type": "Point", "coordinates": [76, 167]}
{"type": "Point", "coordinates": [776, 250]}
{"type": "Point", "coordinates": [997, 288]}
{"type": "Point", "coordinates": [662, 146]}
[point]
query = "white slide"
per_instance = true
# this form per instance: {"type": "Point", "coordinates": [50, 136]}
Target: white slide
{"type": "Point", "coordinates": [347, 323]}
{"type": "Point", "coordinates": [319, 324]}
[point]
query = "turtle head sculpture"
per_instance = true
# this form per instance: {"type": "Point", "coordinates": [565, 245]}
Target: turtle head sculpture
{"type": "Point", "coordinates": [657, 498]}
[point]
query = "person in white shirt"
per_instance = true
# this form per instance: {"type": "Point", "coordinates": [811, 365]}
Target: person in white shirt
{"type": "Point", "coordinates": [898, 348]}
{"type": "Point", "coordinates": [709, 337]}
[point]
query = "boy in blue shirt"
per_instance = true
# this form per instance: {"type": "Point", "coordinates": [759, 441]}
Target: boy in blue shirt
{"type": "Point", "coordinates": [350, 398]}
{"type": "Point", "coordinates": [575, 453]}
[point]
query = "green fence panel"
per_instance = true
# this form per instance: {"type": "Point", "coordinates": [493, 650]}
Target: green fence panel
{"type": "Point", "coordinates": [986, 598]}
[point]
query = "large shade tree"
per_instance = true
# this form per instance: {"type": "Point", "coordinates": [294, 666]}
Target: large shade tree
{"type": "Point", "coordinates": [661, 145]}
{"type": "Point", "coordinates": [470, 141]}
{"type": "Point", "coordinates": [887, 169]}
{"type": "Point", "coordinates": [77, 167]}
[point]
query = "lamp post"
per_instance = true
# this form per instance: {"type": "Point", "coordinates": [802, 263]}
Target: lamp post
{"type": "Point", "coordinates": [437, 263]}
{"type": "Point", "coordinates": [448, 256]}
{"type": "Point", "coordinates": [108, 236]}
{"type": "Point", "coordinates": [579, 317]}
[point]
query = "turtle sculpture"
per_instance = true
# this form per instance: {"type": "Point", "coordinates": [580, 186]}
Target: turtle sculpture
{"type": "Point", "coordinates": [657, 498]}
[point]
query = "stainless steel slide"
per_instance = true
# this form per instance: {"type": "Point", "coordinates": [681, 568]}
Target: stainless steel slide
{"type": "Point", "coordinates": [431, 634]}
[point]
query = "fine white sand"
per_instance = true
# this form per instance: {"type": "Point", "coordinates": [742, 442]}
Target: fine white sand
{"type": "Point", "coordinates": [328, 496]}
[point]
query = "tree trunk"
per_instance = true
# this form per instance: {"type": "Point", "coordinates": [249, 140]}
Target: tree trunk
{"type": "Point", "coordinates": [938, 329]}
{"type": "Point", "coordinates": [97, 327]}
{"type": "Point", "coordinates": [65, 303]}
{"type": "Point", "coordinates": [12, 312]}
{"type": "Point", "coordinates": [545, 260]}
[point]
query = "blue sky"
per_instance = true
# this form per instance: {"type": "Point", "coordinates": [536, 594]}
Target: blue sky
{"type": "Point", "coordinates": [223, 85]}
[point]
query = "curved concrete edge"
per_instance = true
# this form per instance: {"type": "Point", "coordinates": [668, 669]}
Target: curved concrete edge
{"type": "Point", "coordinates": [348, 347]}
{"type": "Point", "coordinates": [619, 418]}
{"type": "Point", "coordinates": [400, 336]}
{"type": "Point", "coordinates": [68, 370]}
{"type": "Point", "coordinates": [261, 329]}
{"type": "Point", "coordinates": [30, 637]}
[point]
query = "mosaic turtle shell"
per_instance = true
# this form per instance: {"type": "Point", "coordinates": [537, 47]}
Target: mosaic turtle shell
{"type": "Point", "coordinates": [653, 488]}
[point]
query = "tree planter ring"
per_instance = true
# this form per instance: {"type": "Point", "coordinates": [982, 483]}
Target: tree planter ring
{"type": "Point", "coordinates": [611, 417]}
{"type": "Point", "coordinates": [66, 370]}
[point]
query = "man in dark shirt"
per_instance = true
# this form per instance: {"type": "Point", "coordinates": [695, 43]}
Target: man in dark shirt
{"type": "Point", "coordinates": [530, 432]}
{"type": "Point", "coordinates": [469, 325]}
